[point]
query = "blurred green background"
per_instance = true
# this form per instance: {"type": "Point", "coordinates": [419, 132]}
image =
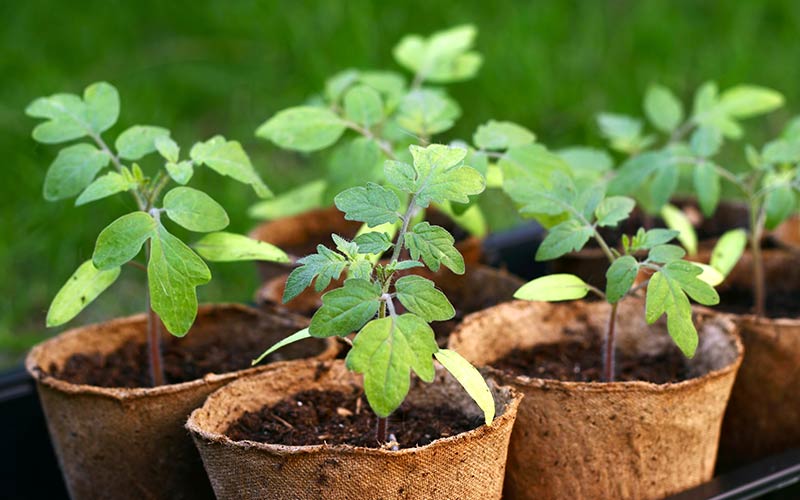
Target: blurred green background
{"type": "Point", "coordinates": [206, 67]}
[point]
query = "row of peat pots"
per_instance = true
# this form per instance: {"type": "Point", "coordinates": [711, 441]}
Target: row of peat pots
{"type": "Point", "coordinates": [298, 426]}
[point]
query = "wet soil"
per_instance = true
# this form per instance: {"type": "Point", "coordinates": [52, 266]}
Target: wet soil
{"type": "Point", "coordinates": [315, 417]}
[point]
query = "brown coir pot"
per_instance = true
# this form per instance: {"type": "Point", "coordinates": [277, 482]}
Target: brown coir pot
{"type": "Point", "coordinates": [466, 466]}
{"type": "Point", "coordinates": [119, 443]}
{"type": "Point", "coordinates": [590, 440]}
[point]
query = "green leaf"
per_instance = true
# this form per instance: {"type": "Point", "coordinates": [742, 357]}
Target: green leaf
{"type": "Point", "coordinates": [346, 309]}
{"type": "Point", "coordinates": [728, 250]}
{"type": "Point", "coordinates": [420, 296]}
{"type": "Point", "coordinates": [663, 109]}
{"type": "Point", "coordinates": [781, 151]}
{"type": "Point", "coordinates": [710, 275]}
{"type": "Point", "coordinates": [745, 101]}
{"type": "Point", "coordinates": [620, 277]}
{"type": "Point", "coordinates": [70, 117]}
{"type": "Point", "coordinates": [553, 288]}
{"type": "Point", "coordinates": [303, 128]}
{"type": "Point", "coordinates": [470, 379]}
{"type": "Point", "coordinates": [495, 135]}
{"type": "Point", "coordinates": [180, 172]}
{"type": "Point", "coordinates": [389, 84]}
{"type": "Point", "coordinates": [73, 170]}
{"type": "Point", "coordinates": [167, 148]}
{"type": "Point", "coordinates": [635, 171]}
{"type": "Point", "coordinates": [173, 273]}
{"type": "Point", "coordinates": [385, 351]}
{"type": "Point", "coordinates": [336, 85]}
{"type": "Point", "coordinates": [121, 240]}
{"type": "Point", "coordinates": [102, 106]}
{"type": "Point", "coordinates": [85, 285]}
{"type": "Point", "coordinates": [779, 204]}
{"type": "Point", "coordinates": [105, 185]}
{"type": "Point", "coordinates": [686, 275]}
{"type": "Point", "coordinates": [563, 238]}
{"type": "Point", "coordinates": [138, 141]}
{"type": "Point", "coordinates": [291, 339]}
{"type": "Point", "coordinates": [675, 219]}
{"type": "Point", "coordinates": [363, 106]}
{"type": "Point", "coordinates": [230, 247]}
{"type": "Point", "coordinates": [406, 264]}
{"type": "Point", "coordinates": [324, 266]}
{"type": "Point", "coordinates": [662, 187]}
{"type": "Point", "coordinates": [373, 243]}
{"type": "Point", "coordinates": [373, 204]}
{"type": "Point", "coordinates": [706, 141]}
{"type": "Point", "coordinates": [435, 246]}
{"type": "Point", "coordinates": [427, 112]}
{"type": "Point", "coordinates": [195, 210]}
{"type": "Point", "coordinates": [612, 210]}
{"type": "Point", "coordinates": [443, 57]}
{"type": "Point", "coordinates": [228, 158]}
{"type": "Point", "coordinates": [664, 295]}
{"type": "Point", "coordinates": [707, 186]}
{"type": "Point", "coordinates": [624, 132]}
{"type": "Point", "coordinates": [587, 163]}
{"type": "Point", "coordinates": [353, 163]}
{"type": "Point", "coordinates": [441, 176]}
{"type": "Point", "coordinates": [652, 238]}
{"type": "Point", "coordinates": [666, 253]}
{"type": "Point", "coordinates": [295, 201]}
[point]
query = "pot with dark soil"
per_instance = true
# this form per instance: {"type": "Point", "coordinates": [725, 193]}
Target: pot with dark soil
{"type": "Point", "coordinates": [480, 287]}
{"type": "Point", "coordinates": [305, 430]}
{"type": "Point", "coordinates": [650, 433]}
{"type": "Point", "coordinates": [117, 436]}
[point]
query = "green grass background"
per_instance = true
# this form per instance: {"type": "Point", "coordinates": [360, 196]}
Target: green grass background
{"type": "Point", "coordinates": [206, 67]}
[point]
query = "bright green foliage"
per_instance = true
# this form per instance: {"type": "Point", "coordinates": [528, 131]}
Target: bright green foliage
{"type": "Point", "coordinates": [495, 135]}
{"type": "Point", "coordinates": [675, 219]}
{"type": "Point", "coordinates": [363, 106]}
{"type": "Point", "coordinates": [662, 108]}
{"type": "Point", "coordinates": [303, 128]}
{"type": "Point", "coordinates": [443, 57]}
{"type": "Point", "coordinates": [295, 337]}
{"type": "Point", "coordinates": [620, 277]}
{"type": "Point", "coordinates": [728, 250]}
{"type": "Point", "coordinates": [553, 288]}
{"type": "Point", "coordinates": [389, 345]}
{"type": "Point", "coordinates": [80, 289]}
{"type": "Point", "coordinates": [173, 269]}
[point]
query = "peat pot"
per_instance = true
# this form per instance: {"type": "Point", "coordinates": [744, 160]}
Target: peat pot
{"type": "Point", "coordinates": [590, 440]}
{"type": "Point", "coordinates": [468, 465]}
{"type": "Point", "coordinates": [129, 443]}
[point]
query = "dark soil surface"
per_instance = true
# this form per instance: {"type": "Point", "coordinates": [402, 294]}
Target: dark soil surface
{"type": "Point", "coordinates": [779, 305]}
{"type": "Point", "coordinates": [582, 361]}
{"type": "Point", "coordinates": [128, 365]}
{"type": "Point", "coordinates": [315, 417]}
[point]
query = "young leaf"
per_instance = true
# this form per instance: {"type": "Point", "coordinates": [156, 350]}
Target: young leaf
{"type": "Point", "coordinates": [180, 172]}
{"type": "Point", "coordinates": [373, 243]}
{"type": "Point", "coordinates": [443, 57]}
{"type": "Point", "coordinates": [653, 237]}
{"type": "Point", "coordinates": [138, 141]}
{"type": "Point", "coordinates": [613, 209]}
{"type": "Point", "coordinates": [706, 141]}
{"type": "Point", "coordinates": [291, 339]}
{"type": "Point", "coordinates": [105, 185]}
{"type": "Point", "coordinates": [325, 265]}
{"type": "Point", "coordinates": [622, 131]}
{"type": "Point", "coordinates": [373, 204]}
{"type": "Point", "coordinates": [85, 285]}
{"type": "Point", "coordinates": [707, 186]}
{"type": "Point", "coordinates": [495, 135]}
{"type": "Point", "coordinates": [779, 204]}
{"type": "Point", "coordinates": [303, 128]}
{"type": "Point", "coordinates": [167, 148]}
{"type": "Point", "coordinates": [745, 101]}
{"type": "Point", "coordinates": [70, 118]}
{"type": "Point", "coordinates": [173, 273]}
{"type": "Point", "coordinates": [102, 106]}
{"type": "Point", "coordinates": [353, 163]}
{"type": "Point", "coordinates": [563, 238]}
{"type": "Point", "coordinates": [230, 247]}
{"type": "Point", "coordinates": [346, 309]}
{"type": "Point", "coordinates": [427, 112]}
{"type": "Point", "coordinates": [728, 250]}
{"type": "Point", "coordinates": [441, 177]}
{"type": "Point", "coordinates": [434, 245]}
{"type": "Point", "coordinates": [663, 109]}
{"type": "Point", "coordinates": [228, 158]}
{"type": "Point", "coordinates": [195, 210]}
{"type": "Point", "coordinates": [685, 274]}
{"type": "Point", "coordinates": [470, 379]}
{"type": "Point", "coordinates": [73, 169]}
{"type": "Point", "coordinates": [363, 106]}
{"type": "Point", "coordinates": [295, 201]}
{"type": "Point", "coordinates": [121, 240]}
{"type": "Point", "coordinates": [665, 295]}
{"type": "Point", "coordinates": [666, 253]}
{"type": "Point", "coordinates": [385, 351]}
{"type": "Point", "coordinates": [620, 277]}
{"type": "Point", "coordinates": [553, 288]}
{"type": "Point", "coordinates": [336, 85]}
{"type": "Point", "coordinates": [420, 296]}
{"type": "Point", "coordinates": [710, 275]}
{"type": "Point", "coordinates": [675, 219]}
